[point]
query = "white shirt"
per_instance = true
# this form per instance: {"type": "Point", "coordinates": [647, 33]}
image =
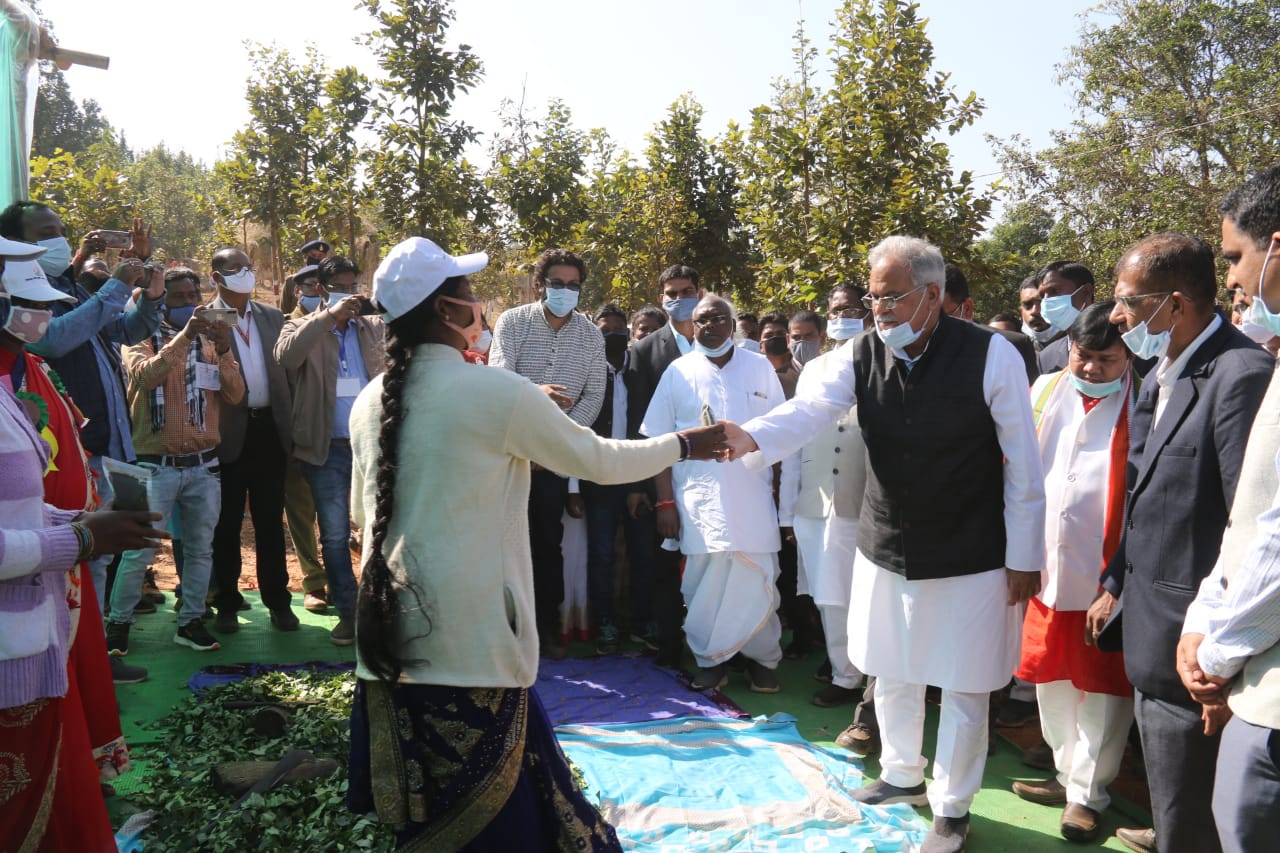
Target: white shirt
{"type": "Point", "coordinates": [253, 359]}
{"type": "Point", "coordinates": [723, 506]}
{"type": "Point", "coordinates": [1004, 386]}
{"type": "Point", "coordinates": [1168, 372]}
{"type": "Point", "coordinates": [1075, 452]}
{"type": "Point", "coordinates": [619, 399]}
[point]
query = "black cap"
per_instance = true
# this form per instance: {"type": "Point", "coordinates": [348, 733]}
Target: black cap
{"type": "Point", "coordinates": [314, 244]}
{"type": "Point", "coordinates": [309, 269]}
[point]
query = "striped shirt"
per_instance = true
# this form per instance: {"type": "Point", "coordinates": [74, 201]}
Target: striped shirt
{"type": "Point", "coordinates": [524, 343]}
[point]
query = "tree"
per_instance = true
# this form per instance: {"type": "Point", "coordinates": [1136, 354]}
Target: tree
{"type": "Point", "coordinates": [87, 191]}
{"type": "Point", "coordinates": [179, 196]}
{"type": "Point", "coordinates": [1015, 248]}
{"type": "Point", "coordinates": [330, 197]}
{"type": "Point", "coordinates": [860, 161]}
{"type": "Point", "coordinates": [1176, 104]}
{"type": "Point", "coordinates": [62, 124]}
{"type": "Point", "coordinates": [419, 174]}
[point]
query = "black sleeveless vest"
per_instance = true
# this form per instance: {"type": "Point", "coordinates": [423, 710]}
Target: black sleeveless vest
{"type": "Point", "coordinates": [934, 504]}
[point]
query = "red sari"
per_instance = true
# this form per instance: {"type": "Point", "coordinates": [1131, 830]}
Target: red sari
{"type": "Point", "coordinates": [69, 744]}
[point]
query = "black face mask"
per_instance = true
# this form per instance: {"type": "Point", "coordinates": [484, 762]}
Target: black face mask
{"type": "Point", "coordinates": [774, 346]}
{"type": "Point", "coordinates": [615, 345]}
{"type": "Point", "coordinates": [91, 282]}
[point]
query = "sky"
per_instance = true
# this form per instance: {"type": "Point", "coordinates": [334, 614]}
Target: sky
{"type": "Point", "coordinates": [178, 69]}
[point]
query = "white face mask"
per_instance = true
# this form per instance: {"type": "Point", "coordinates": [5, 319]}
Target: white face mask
{"type": "Point", "coordinates": [57, 256]}
{"type": "Point", "coordinates": [902, 335]}
{"type": "Point", "coordinates": [241, 282]}
{"type": "Point", "coordinates": [482, 346]}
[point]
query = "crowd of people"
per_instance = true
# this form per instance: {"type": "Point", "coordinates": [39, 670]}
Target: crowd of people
{"type": "Point", "coordinates": [1078, 504]}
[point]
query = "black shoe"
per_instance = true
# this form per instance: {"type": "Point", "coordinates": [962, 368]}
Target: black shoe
{"type": "Point", "coordinates": [282, 619]}
{"type": "Point", "coordinates": [344, 633]}
{"type": "Point", "coordinates": [606, 638]}
{"type": "Point", "coordinates": [194, 635]}
{"type": "Point", "coordinates": [761, 679]}
{"type": "Point", "coordinates": [144, 605]}
{"type": "Point", "coordinates": [947, 835]}
{"type": "Point", "coordinates": [833, 696]}
{"type": "Point", "coordinates": [226, 622]}
{"type": "Point", "coordinates": [710, 677]}
{"type": "Point", "coordinates": [244, 605]}
{"type": "Point", "coordinates": [123, 673]}
{"type": "Point", "coordinates": [118, 638]}
{"type": "Point", "coordinates": [1015, 713]}
{"type": "Point", "coordinates": [824, 672]}
{"type": "Point", "coordinates": [1039, 756]}
{"type": "Point", "coordinates": [881, 793]}
{"type": "Point", "coordinates": [150, 591]}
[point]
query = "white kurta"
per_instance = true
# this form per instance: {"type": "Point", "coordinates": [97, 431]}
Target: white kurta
{"type": "Point", "coordinates": [724, 506]}
{"type": "Point", "coordinates": [910, 631]}
{"type": "Point", "coordinates": [1075, 452]}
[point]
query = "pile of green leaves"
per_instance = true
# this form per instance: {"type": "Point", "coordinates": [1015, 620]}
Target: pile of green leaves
{"type": "Point", "coordinates": [201, 734]}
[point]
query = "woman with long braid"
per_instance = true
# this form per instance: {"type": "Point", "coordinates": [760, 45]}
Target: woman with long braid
{"type": "Point", "coordinates": [448, 740]}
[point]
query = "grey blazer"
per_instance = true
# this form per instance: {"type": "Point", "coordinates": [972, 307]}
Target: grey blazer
{"type": "Point", "coordinates": [268, 322]}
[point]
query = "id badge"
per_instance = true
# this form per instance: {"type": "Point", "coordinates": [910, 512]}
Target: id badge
{"type": "Point", "coordinates": [207, 377]}
{"type": "Point", "coordinates": [348, 386]}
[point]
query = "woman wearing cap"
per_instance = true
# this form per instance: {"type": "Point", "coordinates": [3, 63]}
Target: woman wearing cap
{"type": "Point", "coordinates": [448, 740]}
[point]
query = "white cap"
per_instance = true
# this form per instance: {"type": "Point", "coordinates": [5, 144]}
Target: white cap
{"type": "Point", "coordinates": [26, 280]}
{"type": "Point", "coordinates": [415, 269]}
{"type": "Point", "coordinates": [19, 251]}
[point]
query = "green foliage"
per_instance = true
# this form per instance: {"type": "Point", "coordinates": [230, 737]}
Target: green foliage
{"type": "Point", "coordinates": [1015, 248]}
{"type": "Point", "coordinates": [62, 124]}
{"type": "Point", "coordinates": [1176, 102]}
{"type": "Point", "coordinates": [419, 174]}
{"type": "Point", "coordinates": [202, 734]}
{"type": "Point", "coordinates": [86, 195]}
{"type": "Point", "coordinates": [179, 196]}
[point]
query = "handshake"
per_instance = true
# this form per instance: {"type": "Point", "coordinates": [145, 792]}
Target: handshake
{"type": "Point", "coordinates": [722, 441]}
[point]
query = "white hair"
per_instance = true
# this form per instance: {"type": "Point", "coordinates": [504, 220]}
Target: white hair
{"type": "Point", "coordinates": [924, 258]}
{"type": "Point", "coordinates": [733, 312]}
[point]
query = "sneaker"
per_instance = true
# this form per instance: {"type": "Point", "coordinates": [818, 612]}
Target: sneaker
{"type": "Point", "coordinates": [761, 679]}
{"type": "Point", "coordinates": [860, 739]}
{"type": "Point", "coordinates": [123, 673]}
{"type": "Point", "coordinates": [344, 633]}
{"type": "Point", "coordinates": [606, 638]}
{"type": "Point", "coordinates": [710, 677]}
{"type": "Point", "coordinates": [1079, 823]}
{"type": "Point", "coordinates": [118, 638]}
{"type": "Point", "coordinates": [150, 592]}
{"type": "Point", "coordinates": [1039, 756]}
{"type": "Point", "coordinates": [947, 835]}
{"type": "Point", "coordinates": [1015, 713]}
{"type": "Point", "coordinates": [833, 696]}
{"type": "Point", "coordinates": [1047, 793]}
{"type": "Point", "coordinates": [283, 619]}
{"type": "Point", "coordinates": [316, 602]}
{"type": "Point", "coordinates": [226, 622]}
{"type": "Point", "coordinates": [881, 793]}
{"type": "Point", "coordinates": [648, 637]}
{"type": "Point", "coordinates": [194, 635]}
{"type": "Point", "coordinates": [144, 605]}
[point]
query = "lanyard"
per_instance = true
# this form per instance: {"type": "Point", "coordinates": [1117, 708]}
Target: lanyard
{"type": "Point", "coordinates": [342, 349]}
{"type": "Point", "coordinates": [245, 333]}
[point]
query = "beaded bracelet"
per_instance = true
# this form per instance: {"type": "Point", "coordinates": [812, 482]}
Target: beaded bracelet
{"type": "Point", "coordinates": [84, 536]}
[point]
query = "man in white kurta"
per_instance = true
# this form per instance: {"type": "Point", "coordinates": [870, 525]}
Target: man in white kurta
{"type": "Point", "coordinates": [951, 534]}
{"type": "Point", "coordinates": [728, 525]}
{"type": "Point", "coordinates": [1086, 702]}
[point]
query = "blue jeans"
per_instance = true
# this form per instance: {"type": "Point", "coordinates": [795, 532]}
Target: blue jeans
{"type": "Point", "coordinates": [197, 492]}
{"type": "Point", "coordinates": [331, 489]}
{"type": "Point", "coordinates": [604, 507]}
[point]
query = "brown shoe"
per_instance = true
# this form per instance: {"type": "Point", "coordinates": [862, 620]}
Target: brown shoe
{"type": "Point", "coordinates": [833, 696]}
{"type": "Point", "coordinates": [1141, 840]}
{"type": "Point", "coordinates": [1047, 793]}
{"type": "Point", "coordinates": [859, 738]}
{"type": "Point", "coordinates": [1079, 823]}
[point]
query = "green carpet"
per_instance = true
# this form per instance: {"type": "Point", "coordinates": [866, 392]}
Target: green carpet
{"type": "Point", "coordinates": [1002, 823]}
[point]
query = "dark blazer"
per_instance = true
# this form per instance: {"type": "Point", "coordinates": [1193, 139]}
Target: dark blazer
{"type": "Point", "coordinates": [1027, 349]}
{"type": "Point", "coordinates": [268, 322]}
{"type": "Point", "coordinates": [603, 425]}
{"type": "Point", "coordinates": [649, 359]}
{"type": "Point", "coordinates": [1053, 355]}
{"type": "Point", "coordinates": [1181, 480]}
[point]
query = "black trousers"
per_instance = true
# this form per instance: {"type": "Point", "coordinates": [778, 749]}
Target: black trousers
{"type": "Point", "coordinates": [547, 494]}
{"type": "Point", "coordinates": [1181, 762]}
{"type": "Point", "coordinates": [259, 474]}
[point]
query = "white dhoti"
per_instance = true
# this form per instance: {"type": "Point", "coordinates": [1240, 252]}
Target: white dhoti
{"type": "Point", "coordinates": [1087, 733]}
{"type": "Point", "coordinates": [957, 633]}
{"type": "Point", "coordinates": [809, 535]}
{"type": "Point", "coordinates": [731, 599]}
{"type": "Point", "coordinates": [831, 587]}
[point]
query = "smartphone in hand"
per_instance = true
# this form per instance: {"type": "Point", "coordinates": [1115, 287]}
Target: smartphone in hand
{"type": "Point", "coordinates": [116, 239]}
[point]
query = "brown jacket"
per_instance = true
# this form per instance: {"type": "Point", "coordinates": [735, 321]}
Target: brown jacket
{"type": "Point", "coordinates": [309, 353]}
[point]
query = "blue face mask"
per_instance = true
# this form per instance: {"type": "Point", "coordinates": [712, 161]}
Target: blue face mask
{"type": "Point", "coordinates": [180, 316]}
{"type": "Point", "coordinates": [1041, 337]}
{"type": "Point", "coordinates": [844, 328]}
{"type": "Point", "coordinates": [713, 353]}
{"type": "Point", "coordinates": [1262, 315]}
{"type": "Point", "coordinates": [1059, 311]}
{"type": "Point", "coordinates": [1143, 343]}
{"type": "Point", "coordinates": [560, 301]}
{"type": "Point", "coordinates": [1097, 390]}
{"type": "Point", "coordinates": [902, 335]}
{"type": "Point", "coordinates": [310, 303]}
{"type": "Point", "coordinates": [57, 256]}
{"type": "Point", "coordinates": [680, 310]}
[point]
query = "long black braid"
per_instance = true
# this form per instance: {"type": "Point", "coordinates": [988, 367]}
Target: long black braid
{"type": "Point", "coordinates": [378, 604]}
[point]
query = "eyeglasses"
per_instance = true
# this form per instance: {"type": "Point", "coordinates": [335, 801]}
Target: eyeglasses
{"type": "Point", "coordinates": [848, 314]}
{"type": "Point", "coordinates": [889, 302]}
{"type": "Point", "coordinates": [1128, 302]}
{"type": "Point", "coordinates": [712, 320]}
{"type": "Point", "coordinates": [557, 284]}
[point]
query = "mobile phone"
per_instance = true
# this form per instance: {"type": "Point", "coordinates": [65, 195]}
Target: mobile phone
{"type": "Point", "coordinates": [116, 239]}
{"type": "Point", "coordinates": [367, 307]}
{"type": "Point", "coordinates": [220, 316]}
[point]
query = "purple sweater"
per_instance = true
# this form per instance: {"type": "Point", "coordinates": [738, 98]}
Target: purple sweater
{"type": "Point", "coordinates": [36, 549]}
